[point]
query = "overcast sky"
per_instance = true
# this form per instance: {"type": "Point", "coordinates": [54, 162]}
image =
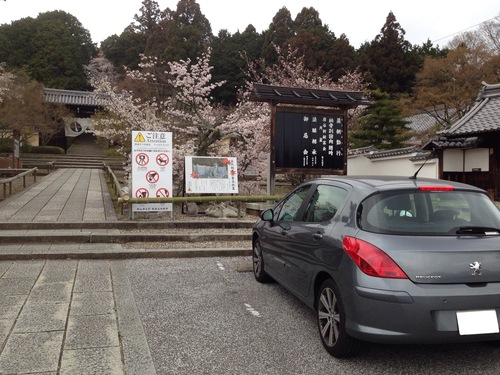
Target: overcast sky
{"type": "Point", "coordinates": [359, 20]}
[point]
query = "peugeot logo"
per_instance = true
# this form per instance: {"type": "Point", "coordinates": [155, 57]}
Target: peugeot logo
{"type": "Point", "coordinates": [475, 268]}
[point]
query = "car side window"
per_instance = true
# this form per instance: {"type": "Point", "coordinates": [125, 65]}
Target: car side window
{"type": "Point", "coordinates": [289, 208]}
{"type": "Point", "coordinates": [324, 203]}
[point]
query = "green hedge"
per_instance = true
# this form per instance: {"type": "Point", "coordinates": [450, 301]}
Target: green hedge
{"type": "Point", "coordinates": [43, 150]}
{"type": "Point", "coordinates": [6, 148]}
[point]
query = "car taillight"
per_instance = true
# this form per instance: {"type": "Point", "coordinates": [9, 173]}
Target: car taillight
{"type": "Point", "coordinates": [436, 188]}
{"type": "Point", "coordinates": [371, 260]}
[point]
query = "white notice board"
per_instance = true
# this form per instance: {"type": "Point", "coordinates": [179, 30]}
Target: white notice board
{"type": "Point", "coordinates": [211, 175]}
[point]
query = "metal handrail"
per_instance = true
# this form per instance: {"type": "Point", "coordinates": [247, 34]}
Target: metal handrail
{"type": "Point", "coordinates": [119, 191]}
{"type": "Point", "coordinates": [9, 180]}
{"type": "Point", "coordinates": [114, 180]}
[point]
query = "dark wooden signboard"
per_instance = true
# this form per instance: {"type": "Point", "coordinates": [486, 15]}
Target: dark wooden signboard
{"type": "Point", "coordinates": [310, 141]}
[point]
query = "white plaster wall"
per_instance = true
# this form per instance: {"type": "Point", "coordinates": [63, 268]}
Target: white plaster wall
{"type": "Point", "coordinates": [391, 166]}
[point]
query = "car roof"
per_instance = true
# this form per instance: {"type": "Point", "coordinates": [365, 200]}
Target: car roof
{"type": "Point", "coordinates": [396, 182]}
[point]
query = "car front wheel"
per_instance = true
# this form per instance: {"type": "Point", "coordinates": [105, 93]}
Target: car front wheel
{"type": "Point", "coordinates": [331, 322]}
{"type": "Point", "coordinates": [258, 263]}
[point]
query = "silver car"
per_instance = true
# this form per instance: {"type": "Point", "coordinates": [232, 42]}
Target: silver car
{"type": "Point", "coordinates": [386, 259]}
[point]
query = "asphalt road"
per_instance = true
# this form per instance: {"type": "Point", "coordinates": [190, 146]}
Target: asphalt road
{"type": "Point", "coordinates": [203, 316]}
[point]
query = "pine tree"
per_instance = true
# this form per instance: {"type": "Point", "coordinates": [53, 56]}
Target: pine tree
{"type": "Point", "coordinates": [380, 125]}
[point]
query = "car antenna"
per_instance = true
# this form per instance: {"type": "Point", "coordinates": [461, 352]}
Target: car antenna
{"type": "Point", "coordinates": [414, 177]}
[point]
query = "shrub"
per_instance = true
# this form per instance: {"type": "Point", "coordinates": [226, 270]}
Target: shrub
{"type": "Point", "coordinates": [44, 150]}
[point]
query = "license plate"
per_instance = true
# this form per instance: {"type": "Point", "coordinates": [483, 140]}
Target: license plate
{"type": "Point", "coordinates": [477, 322]}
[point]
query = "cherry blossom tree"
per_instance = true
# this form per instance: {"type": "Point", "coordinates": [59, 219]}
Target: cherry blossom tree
{"type": "Point", "coordinates": [173, 97]}
{"type": "Point", "coordinates": [6, 79]}
{"type": "Point", "coordinates": [176, 97]}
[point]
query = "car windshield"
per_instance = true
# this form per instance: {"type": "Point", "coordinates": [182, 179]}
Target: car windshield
{"type": "Point", "coordinates": [428, 213]}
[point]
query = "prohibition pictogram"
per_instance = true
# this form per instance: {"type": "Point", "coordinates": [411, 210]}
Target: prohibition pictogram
{"type": "Point", "coordinates": [142, 193]}
{"type": "Point", "coordinates": [142, 159]}
{"type": "Point", "coordinates": [162, 193]}
{"type": "Point", "coordinates": [162, 159]}
{"type": "Point", "coordinates": [152, 177]}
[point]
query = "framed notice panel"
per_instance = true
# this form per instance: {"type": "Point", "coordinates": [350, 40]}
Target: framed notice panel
{"type": "Point", "coordinates": [309, 142]}
{"type": "Point", "coordinates": [151, 169]}
{"type": "Point", "coordinates": [209, 174]}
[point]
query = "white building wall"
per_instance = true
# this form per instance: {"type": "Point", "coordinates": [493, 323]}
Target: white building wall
{"type": "Point", "coordinates": [458, 160]}
{"type": "Point", "coordinates": [453, 160]}
{"type": "Point", "coordinates": [477, 159]}
{"type": "Point", "coordinates": [391, 166]}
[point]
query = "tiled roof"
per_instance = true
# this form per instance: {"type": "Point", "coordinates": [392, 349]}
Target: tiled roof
{"type": "Point", "coordinates": [372, 152]}
{"type": "Point", "coordinates": [70, 97]}
{"type": "Point", "coordinates": [393, 152]}
{"type": "Point", "coordinates": [421, 123]}
{"type": "Point", "coordinates": [483, 117]}
{"type": "Point", "coordinates": [361, 150]}
{"type": "Point", "coordinates": [304, 96]}
{"type": "Point", "coordinates": [444, 142]}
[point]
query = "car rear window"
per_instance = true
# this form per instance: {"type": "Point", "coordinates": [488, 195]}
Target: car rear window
{"type": "Point", "coordinates": [426, 212]}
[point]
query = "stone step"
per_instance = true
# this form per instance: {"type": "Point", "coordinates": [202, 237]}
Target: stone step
{"type": "Point", "coordinates": [129, 225]}
{"type": "Point", "coordinates": [100, 237]}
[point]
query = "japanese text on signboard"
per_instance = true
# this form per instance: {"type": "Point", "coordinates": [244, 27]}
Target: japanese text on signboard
{"type": "Point", "coordinates": [309, 140]}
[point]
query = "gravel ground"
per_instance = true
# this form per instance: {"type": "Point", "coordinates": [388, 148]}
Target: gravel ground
{"type": "Point", "coordinates": [177, 215]}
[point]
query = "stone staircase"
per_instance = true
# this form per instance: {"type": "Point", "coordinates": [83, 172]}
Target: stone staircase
{"type": "Point", "coordinates": [85, 152]}
{"type": "Point", "coordinates": [124, 239]}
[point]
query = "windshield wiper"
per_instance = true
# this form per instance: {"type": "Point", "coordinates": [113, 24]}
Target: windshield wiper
{"type": "Point", "coordinates": [487, 231]}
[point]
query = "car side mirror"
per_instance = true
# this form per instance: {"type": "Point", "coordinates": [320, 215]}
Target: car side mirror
{"type": "Point", "coordinates": [267, 215]}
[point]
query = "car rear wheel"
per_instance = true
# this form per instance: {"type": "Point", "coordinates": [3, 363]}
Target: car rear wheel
{"type": "Point", "coordinates": [258, 263]}
{"type": "Point", "coordinates": [331, 322]}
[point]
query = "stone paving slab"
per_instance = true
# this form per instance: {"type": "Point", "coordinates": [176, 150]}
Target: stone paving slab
{"type": "Point", "coordinates": [65, 195]}
{"type": "Point", "coordinates": [70, 317]}
{"type": "Point", "coordinates": [68, 308]}
{"type": "Point", "coordinates": [31, 352]}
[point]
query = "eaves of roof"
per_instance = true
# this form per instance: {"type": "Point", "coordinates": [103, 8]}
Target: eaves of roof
{"type": "Point", "coordinates": [445, 142]}
{"type": "Point", "coordinates": [70, 97]}
{"type": "Point", "coordinates": [361, 150]}
{"type": "Point", "coordinates": [305, 96]}
{"type": "Point", "coordinates": [394, 152]}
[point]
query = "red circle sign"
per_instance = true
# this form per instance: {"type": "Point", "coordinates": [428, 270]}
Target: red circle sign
{"type": "Point", "coordinates": [142, 193]}
{"type": "Point", "coordinates": [142, 159]}
{"type": "Point", "coordinates": [162, 193]}
{"type": "Point", "coordinates": [152, 177]}
{"type": "Point", "coordinates": [162, 159]}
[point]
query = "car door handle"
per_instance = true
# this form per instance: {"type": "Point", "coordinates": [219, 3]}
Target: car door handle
{"type": "Point", "coordinates": [317, 236]}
